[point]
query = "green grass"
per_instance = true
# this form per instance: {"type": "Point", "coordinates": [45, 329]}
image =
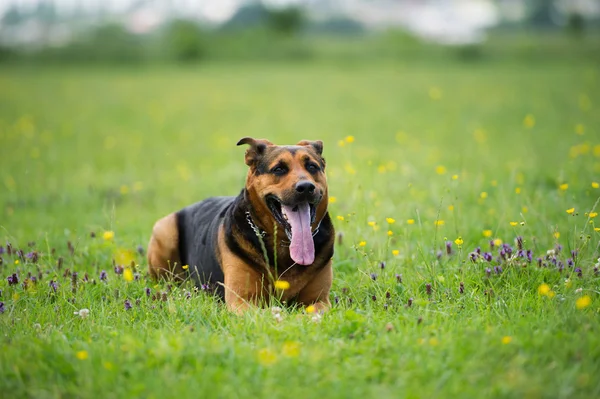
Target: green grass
{"type": "Point", "coordinates": [85, 151]}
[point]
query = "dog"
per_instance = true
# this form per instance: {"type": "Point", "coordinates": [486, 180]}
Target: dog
{"type": "Point", "coordinates": [274, 239]}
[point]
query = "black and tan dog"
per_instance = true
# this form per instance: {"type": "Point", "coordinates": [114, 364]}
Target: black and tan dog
{"type": "Point", "coordinates": [277, 228]}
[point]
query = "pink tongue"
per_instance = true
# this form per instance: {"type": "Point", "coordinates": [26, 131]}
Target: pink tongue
{"type": "Point", "coordinates": [302, 247]}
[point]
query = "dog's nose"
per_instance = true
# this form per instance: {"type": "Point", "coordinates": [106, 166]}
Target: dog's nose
{"type": "Point", "coordinates": [305, 187]}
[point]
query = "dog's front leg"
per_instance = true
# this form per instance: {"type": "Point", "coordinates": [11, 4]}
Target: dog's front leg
{"type": "Point", "coordinates": [316, 292]}
{"type": "Point", "coordinates": [243, 286]}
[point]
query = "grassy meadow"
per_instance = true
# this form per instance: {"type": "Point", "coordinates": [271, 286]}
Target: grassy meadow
{"type": "Point", "coordinates": [426, 164]}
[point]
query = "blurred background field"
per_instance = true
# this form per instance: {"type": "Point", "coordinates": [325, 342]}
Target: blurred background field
{"type": "Point", "coordinates": [445, 123]}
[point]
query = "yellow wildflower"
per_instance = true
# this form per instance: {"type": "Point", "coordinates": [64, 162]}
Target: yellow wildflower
{"type": "Point", "coordinates": [340, 218]}
{"type": "Point", "coordinates": [570, 211]}
{"type": "Point", "coordinates": [185, 267]}
{"type": "Point", "coordinates": [524, 209]}
{"type": "Point", "coordinates": [410, 221]}
{"type": "Point", "coordinates": [332, 200]}
{"type": "Point", "coordinates": [514, 223]}
{"type": "Point", "coordinates": [487, 233]}
{"type": "Point", "coordinates": [362, 243]}
{"type": "Point", "coordinates": [518, 190]}
{"type": "Point", "coordinates": [440, 170]}
{"type": "Point", "coordinates": [341, 143]}
{"type": "Point", "coordinates": [595, 184]}
{"type": "Point", "coordinates": [529, 121]}
{"type": "Point", "coordinates": [390, 220]}
{"type": "Point", "coordinates": [311, 309]}
{"type": "Point", "coordinates": [81, 355]}
{"type": "Point", "coordinates": [434, 341]}
{"type": "Point", "coordinates": [282, 285]}
{"type": "Point", "coordinates": [454, 177]}
{"type": "Point", "coordinates": [564, 186]}
{"type": "Point", "coordinates": [349, 139]}
{"type": "Point", "coordinates": [497, 242]}
{"type": "Point", "coordinates": [107, 365]}
{"type": "Point", "coordinates": [16, 261]}
{"type": "Point", "coordinates": [108, 235]}
{"type": "Point", "coordinates": [596, 228]}
{"type": "Point", "coordinates": [371, 223]}
{"type": "Point", "coordinates": [543, 289]}
{"type": "Point", "coordinates": [390, 233]}
{"type": "Point", "coordinates": [395, 252]}
{"type": "Point", "coordinates": [128, 275]}
{"type": "Point", "coordinates": [450, 207]}
{"type": "Point", "coordinates": [266, 357]}
{"type": "Point", "coordinates": [556, 235]}
{"type": "Point", "coordinates": [291, 349]}
{"type": "Point", "coordinates": [459, 241]}
{"type": "Point", "coordinates": [124, 189]}
{"type": "Point", "coordinates": [483, 195]}
{"type": "Point", "coordinates": [593, 215]}
{"type": "Point", "coordinates": [507, 339]}
{"type": "Point", "coordinates": [439, 222]}
{"type": "Point", "coordinates": [579, 129]}
{"type": "Point", "coordinates": [583, 302]}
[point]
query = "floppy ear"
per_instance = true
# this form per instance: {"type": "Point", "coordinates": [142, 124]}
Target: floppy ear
{"type": "Point", "coordinates": [316, 145]}
{"type": "Point", "coordinates": [256, 150]}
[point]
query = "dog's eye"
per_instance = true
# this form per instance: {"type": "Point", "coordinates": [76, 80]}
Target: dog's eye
{"type": "Point", "coordinates": [312, 168]}
{"type": "Point", "coordinates": [279, 170]}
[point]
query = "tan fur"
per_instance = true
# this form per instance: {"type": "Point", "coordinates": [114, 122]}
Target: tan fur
{"type": "Point", "coordinates": [163, 252]}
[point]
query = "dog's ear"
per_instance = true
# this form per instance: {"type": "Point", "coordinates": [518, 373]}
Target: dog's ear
{"type": "Point", "coordinates": [316, 145]}
{"type": "Point", "coordinates": [257, 149]}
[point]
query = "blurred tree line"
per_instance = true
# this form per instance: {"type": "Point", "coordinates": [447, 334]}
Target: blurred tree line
{"type": "Point", "coordinates": [257, 32]}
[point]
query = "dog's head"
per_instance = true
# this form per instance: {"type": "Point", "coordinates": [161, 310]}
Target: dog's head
{"type": "Point", "coordinates": [287, 186]}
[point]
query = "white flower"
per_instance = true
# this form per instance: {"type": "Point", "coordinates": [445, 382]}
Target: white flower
{"type": "Point", "coordinates": [578, 290]}
{"type": "Point", "coordinates": [83, 313]}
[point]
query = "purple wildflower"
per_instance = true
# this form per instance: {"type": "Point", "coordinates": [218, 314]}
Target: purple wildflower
{"type": "Point", "coordinates": [461, 288]}
{"type": "Point", "coordinates": [148, 291]}
{"type": "Point", "coordinates": [205, 287]}
{"type": "Point", "coordinates": [127, 304]}
{"type": "Point", "coordinates": [448, 247]}
{"type": "Point", "coordinates": [540, 262]}
{"type": "Point", "coordinates": [399, 278]}
{"type": "Point", "coordinates": [558, 248]}
{"type": "Point", "coordinates": [521, 253]}
{"type": "Point", "coordinates": [520, 242]}
{"type": "Point", "coordinates": [103, 275]}
{"type": "Point", "coordinates": [336, 299]}
{"type": "Point", "coordinates": [140, 250]}
{"type": "Point", "coordinates": [503, 254]}
{"type": "Point", "coordinates": [492, 245]}
{"type": "Point", "coordinates": [574, 254]}
{"type": "Point", "coordinates": [478, 250]}
{"type": "Point", "coordinates": [33, 279]}
{"type": "Point", "coordinates": [119, 269]}
{"type": "Point", "coordinates": [439, 254]}
{"type": "Point", "coordinates": [497, 269]}
{"type": "Point", "coordinates": [54, 285]}
{"type": "Point", "coordinates": [187, 295]}
{"type": "Point", "coordinates": [374, 298]}
{"type": "Point", "coordinates": [428, 289]}
{"type": "Point", "coordinates": [388, 295]}
{"type": "Point", "coordinates": [488, 271]}
{"type": "Point", "coordinates": [2, 309]}
{"type": "Point", "coordinates": [473, 256]}
{"type": "Point", "coordinates": [374, 276]}
{"type": "Point", "coordinates": [410, 302]}
{"type": "Point", "coordinates": [529, 255]}
{"type": "Point", "coordinates": [1, 249]}
{"type": "Point", "coordinates": [382, 265]}
{"type": "Point", "coordinates": [570, 262]}
{"type": "Point", "coordinates": [579, 272]}
{"type": "Point", "coordinates": [596, 271]}
{"type": "Point", "coordinates": [560, 266]}
{"type": "Point", "coordinates": [13, 280]}
{"type": "Point", "coordinates": [487, 256]}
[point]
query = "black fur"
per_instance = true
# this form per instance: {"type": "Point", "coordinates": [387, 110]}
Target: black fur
{"type": "Point", "coordinates": [198, 226]}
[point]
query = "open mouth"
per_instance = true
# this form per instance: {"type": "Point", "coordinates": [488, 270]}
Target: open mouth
{"type": "Point", "coordinates": [282, 213]}
{"type": "Point", "coordinates": [296, 220]}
